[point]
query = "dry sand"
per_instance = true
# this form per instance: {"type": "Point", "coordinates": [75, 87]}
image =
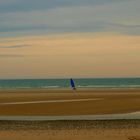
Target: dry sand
{"type": "Point", "coordinates": [70, 130]}
{"type": "Point", "coordinates": [68, 102]}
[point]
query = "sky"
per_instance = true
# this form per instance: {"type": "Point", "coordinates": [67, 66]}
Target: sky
{"type": "Point", "coordinates": [69, 38]}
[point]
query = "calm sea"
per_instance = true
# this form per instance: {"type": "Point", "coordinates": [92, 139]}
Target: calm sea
{"type": "Point", "coordinates": [65, 83]}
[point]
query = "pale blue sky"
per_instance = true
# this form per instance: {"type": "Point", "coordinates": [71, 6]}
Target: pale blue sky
{"type": "Point", "coordinates": [24, 17]}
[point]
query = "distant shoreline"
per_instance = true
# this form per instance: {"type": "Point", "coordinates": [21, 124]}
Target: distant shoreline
{"type": "Point", "coordinates": [69, 89]}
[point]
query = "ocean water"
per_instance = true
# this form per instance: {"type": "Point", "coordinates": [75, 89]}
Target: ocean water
{"type": "Point", "coordinates": [65, 83]}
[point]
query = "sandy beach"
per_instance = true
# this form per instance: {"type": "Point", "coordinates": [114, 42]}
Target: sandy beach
{"type": "Point", "coordinates": [45, 102]}
{"type": "Point", "coordinates": [70, 130]}
{"type": "Point", "coordinates": [67, 102]}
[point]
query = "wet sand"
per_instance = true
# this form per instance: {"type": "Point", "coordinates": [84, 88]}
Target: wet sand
{"type": "Point", "coordinates": [31, 102]}
{"type": "Point", "coordinates": [70, 130]}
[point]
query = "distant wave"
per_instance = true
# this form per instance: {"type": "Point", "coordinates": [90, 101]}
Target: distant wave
{"type": "Point", "coordinates": [108, 86]}
{"type": "Point", "coordinates": [50, 87]}
{"type": "Point", "coordinates": [22, 87]}
{"type": "Point", "coordinates": [78, 86]}
{"type": "Point", "coordinates": [65, 83]}
{"type": "Point", "coordinates": [19, 87]}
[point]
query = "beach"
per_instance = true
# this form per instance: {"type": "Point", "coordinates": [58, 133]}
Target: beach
{"type": "Point", "coordinates": [66, 102]}
{"type": "Point", "coordinates": [60, 114]}
{"type": "Point", "coordinates": [70, 130]}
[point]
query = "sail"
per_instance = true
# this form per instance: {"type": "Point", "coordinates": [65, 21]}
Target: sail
{"type": "Point", "coordinates": [72, 84]}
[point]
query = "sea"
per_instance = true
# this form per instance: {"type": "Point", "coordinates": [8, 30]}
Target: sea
{"type": "Point", "coordinates": [65, 83]}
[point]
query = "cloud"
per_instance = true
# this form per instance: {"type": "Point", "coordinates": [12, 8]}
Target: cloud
{"type": "Point", "coordinates": [10, 55]}
{"type": "Point", "coordinates": [126, 28]}
{"type": "Point", "coordinates": [72, 16]}
{"type": "Point", "coordinates": [21, 27]}
{"type": "Point", "coordinates": [127, 24]}
{"type": "Point", "coordinates": [30, 5]}
{"type": "Point", "coordinates": [15, 46]}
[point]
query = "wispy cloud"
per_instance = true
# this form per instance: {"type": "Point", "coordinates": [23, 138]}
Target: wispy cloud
{"type": "Point", "coordinates": [127, 25]}
{"type": "Point", "coordinates": [15, 46]}
{"type": "Point", "coordinates": [59, 16]}
{"type": "Point", "coordinates": [125, 28]}
{"type": "Point", "coordinates": [11, 55]}
{"type": "Point", "coordinates": [30, 5]}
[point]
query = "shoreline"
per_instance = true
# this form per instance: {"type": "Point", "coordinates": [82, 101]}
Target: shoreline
{"type": "Point", "coordinates": [70, 89]}
{"type": "Point", "coordinates": [104, 117]}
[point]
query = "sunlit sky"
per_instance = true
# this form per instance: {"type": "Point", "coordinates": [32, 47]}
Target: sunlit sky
{"type": "Point", "coordinates": [69, 38]}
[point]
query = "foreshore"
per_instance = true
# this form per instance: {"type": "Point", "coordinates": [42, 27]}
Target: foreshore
{"type": "Point", "coordinates": [66, 102]}
{"type": "Point", "coordinates": [60, 114]}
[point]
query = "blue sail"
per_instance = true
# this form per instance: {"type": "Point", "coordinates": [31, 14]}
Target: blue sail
{"type": "Point", "coordinates": [72, 84]}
